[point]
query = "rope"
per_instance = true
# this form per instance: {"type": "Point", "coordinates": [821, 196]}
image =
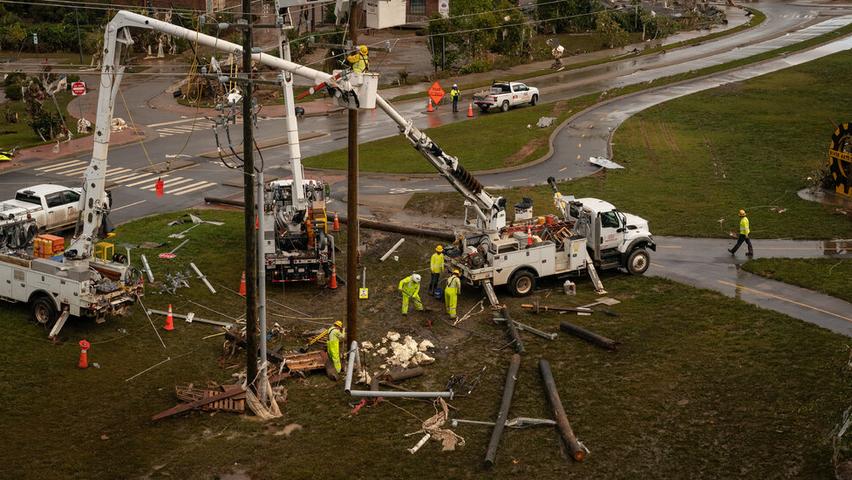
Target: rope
{"type": "Point", "coordinates": [132, 122]}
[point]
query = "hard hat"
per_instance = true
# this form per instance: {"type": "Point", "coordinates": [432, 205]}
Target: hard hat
{"type": "Point", "coordinates": [455, 86]}
{"type": "Point", "coordinates": [742, 213]}
{"type": "Point", "coordinates": [363, 49]}
{"type": "Point", "coordinates": [456, 271]}
{"type": "Point", "coordinates": [415, 277]}
{"type": "Point", "coordinates": [338, 324]}
{"type": "Point", "coordinates": [439, 248]}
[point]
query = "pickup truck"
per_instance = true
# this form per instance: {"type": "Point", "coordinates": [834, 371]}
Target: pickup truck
{"type": "Point", "coordinates": [504, 95]}
{"type": "Point", "coordinates": [52, 207]}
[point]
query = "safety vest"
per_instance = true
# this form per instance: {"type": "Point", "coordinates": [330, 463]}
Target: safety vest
{"type": "Point", "coordinates": [360, 62]}
{"type": "Point", "coordinates": [437, 262]}
{"type": "Point", "coordinates": [744, 227]}
{"type": "Point", "coordinates": [335, 335]}
{"type": "Point", "coordinates": [454, 93]}
{"type": "Point", "coordinates": [409, 286]}
{"type": "Point", "coordinates": [454, 283]}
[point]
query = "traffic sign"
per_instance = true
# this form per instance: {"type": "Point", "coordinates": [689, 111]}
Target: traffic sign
{"type": "Point", "coordinates": [78, 88]}
{"type": "Point", "coordinates": [436, 93]}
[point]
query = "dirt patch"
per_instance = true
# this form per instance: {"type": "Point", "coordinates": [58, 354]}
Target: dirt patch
{"type": "Point", "coordinates": [521, 156]}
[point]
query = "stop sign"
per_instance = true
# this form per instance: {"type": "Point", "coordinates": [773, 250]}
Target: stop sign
{"type": "Point", "coordinates": [78, 88]}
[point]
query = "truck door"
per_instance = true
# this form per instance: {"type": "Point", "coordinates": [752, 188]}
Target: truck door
{"type": "Point", "coordinates": [72, 205]}
{"type": "Point", "coordinates": [56, 214]}
{"type": "Point", "coordinates": [610, 223]}
{"type": "Point", "coordinates": [5, 281]}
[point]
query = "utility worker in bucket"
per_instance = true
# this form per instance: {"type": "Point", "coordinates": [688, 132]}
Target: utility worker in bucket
{"type": "Point", "coordinates": [455, 93]}
{"type": "Point", "coordinates": [451, 293]}
{"type": "Point", "coordinates": [745, 230]}
{"type": "Point", "coordinates": [436, 266]}
{"type": "Point", "coordinates": [360, 60]}
{"type": "Point", "coordinates": [410, 289]}
{"type": "Point", "coordinates": [335, 334]}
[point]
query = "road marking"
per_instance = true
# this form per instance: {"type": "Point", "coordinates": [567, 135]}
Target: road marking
{"type": "Point", "coordinates": [519, 180]}
{"type": "Point", "coordinates": [171, 130]}
{"type": "Point", "coordinates": [74, 171]}
{"type": "Point", "coordinates": [66, 168]}
{"type": "Point", "coordinates": [198, 187]}
{"type": "Point", "coordinates": [563, 169]}
{"type": "Point", "coordinates": [128, 205]}
{"type": "Point", "coordinates": [579, 145]}
{"type": "Point", "coordinates": [171, 183]}
{"type": "Point", "coordinates": [578, 156]}
{"type": "Point", "coordinates": [116, 171]}
{"type": "Point", "coordinates": [58, 166]}
{"type": "Point", "coordinates": [778, 297]}
{"type": "Point", "coordinates": [142, 181]}
{"type": "Point", "coordinates": [153, 125]}
{"type": "Point", "coordinates": [657, 265]}
{"type": "Point", "coordinates": [133, 175]}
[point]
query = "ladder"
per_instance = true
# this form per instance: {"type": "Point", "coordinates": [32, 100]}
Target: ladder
{"type": "Point", "coordinates": [489, 292]}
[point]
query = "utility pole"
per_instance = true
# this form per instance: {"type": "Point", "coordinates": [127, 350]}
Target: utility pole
{"type": "Point", "coordinates": [248, 191]}
{"type": "Point", "coordinates": [352, 240]}
{"type": "Point", "coordinates": [79, 42]}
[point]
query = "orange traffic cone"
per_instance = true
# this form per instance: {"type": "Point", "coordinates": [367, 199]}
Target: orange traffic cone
{"type": "Point", "coordinates": [84, 357]}
{"type": "Point", "coordinates": [170, 320]}
{"type": "Point", "coordinates": [429, 106]}
{"type": "Point", "coordinates": [529, 236]}
{"type": "Point", "coordinates": [470, 110]}
{"type": "Point", "coordinates": [336, 226]}
{"type": "Point", "coordinates": [332, 283]}
{"type": "Point", "coordinates": [243, 285]}
{"type": "Point", "coordinates": [257, 223]}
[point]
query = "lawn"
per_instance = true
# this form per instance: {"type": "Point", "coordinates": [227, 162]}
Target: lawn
{"type": "Point", "coordinates": [736, 392]}
{"type": "Point", "coordinates": [20, 134]}
{"type": "Point", "coordinates": [830, 276]}
{"type": "Point", "coordinates": [696, 160]}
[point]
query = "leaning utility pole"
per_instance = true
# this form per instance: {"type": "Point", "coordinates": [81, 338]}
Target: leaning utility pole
{"type": "Point", "coordinates": [352, 233]}
{"type": "Point", "coordinates": [248, 191]}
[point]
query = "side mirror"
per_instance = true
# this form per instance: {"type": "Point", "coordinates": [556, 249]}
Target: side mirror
{"type": "Point", "coordinates": [621, 230]}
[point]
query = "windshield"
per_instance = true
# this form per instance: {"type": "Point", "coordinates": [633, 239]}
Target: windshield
{"type": "Point", "coordinates": [500, 88]}
{"type": "Point", "coordinates": [27, 197]}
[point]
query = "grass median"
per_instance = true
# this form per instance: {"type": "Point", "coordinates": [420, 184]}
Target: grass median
{"type": "Point", "coordinates": [731, 380]}
{"type": "Point", "coordinates": [831, 276]}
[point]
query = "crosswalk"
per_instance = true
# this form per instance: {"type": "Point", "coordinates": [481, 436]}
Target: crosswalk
{"type": "Point", "coordinates": [182, 127]}
{"type": "Point", "coordinates": [127, 177]}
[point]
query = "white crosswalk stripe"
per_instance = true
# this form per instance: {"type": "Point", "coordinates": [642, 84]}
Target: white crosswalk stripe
{"type": "Point", "coordinates": [133, 175]}
{"type": "Point", "coordinates": [59, 166]}
{"type": "Point", "coordinates": [72, 172]}
{"type": "Point", "coordinates": [194, 188]}
{"type": "Point", "coordinates": [171, 183]}
{"type": "Point", "coordinates": [143, 181]}
{"type": "Point", "coordinates": [115, 171]}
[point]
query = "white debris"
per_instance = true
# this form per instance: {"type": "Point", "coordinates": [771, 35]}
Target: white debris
{"type": "Point", "coordinates": [364, 377]}
{"type": "Point", "coordinates": [382, 351]}
{"type": "Point", "coordinates": [545, 122]}
{"type": "Point", "coordinates": [392, 336]}
{"type": "Point", "coordinates": [604, 162]}
{"type": "Point", "coordinates": [425, 345]}
{"type": "Point", "coordinates": [421, 358]}
{"type": "Point", "coordinates": [366, 345]}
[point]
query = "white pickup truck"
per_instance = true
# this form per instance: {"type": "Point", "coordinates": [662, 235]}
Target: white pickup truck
{"type": "Point", "coordinates": [504, 95]}
{"type": "Point", "coordinates": [53, 207]}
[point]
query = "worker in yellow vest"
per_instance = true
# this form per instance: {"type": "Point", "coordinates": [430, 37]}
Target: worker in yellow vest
{"type": "Point", "coordinates": [436, 266]}
{"type": "Point", "coordinates": [745, 230]}
{"type": "Point", "coordinates": [360, 60]}
{"type": "Point", "coordinates": [455, 93]}
{"type": "Point", "coordinates": [410, 289]}
{"type": "Point", "coordinates": [335, 334]}
{"type": "Point", "coordinates": [451, 293]}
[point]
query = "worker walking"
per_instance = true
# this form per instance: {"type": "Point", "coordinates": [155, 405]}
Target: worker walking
{"type": "Point", "coordinates": [360, 60]}
{"type": "Point", "coordinates": [410, 289]}
{"type": "Point", "coordinates": [436, 266]}
{"type": "Point", "coordinates": [335, 335]}
{"type": "Point", "coordinates": [745, 230]}
{"type": "Point", "coordinates": [451, 293]}
{"type": "Point", "coordinates": [455, 93]}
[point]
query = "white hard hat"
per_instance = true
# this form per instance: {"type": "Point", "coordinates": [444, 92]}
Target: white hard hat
{"type": "Point", "coordinates": [415, 277]}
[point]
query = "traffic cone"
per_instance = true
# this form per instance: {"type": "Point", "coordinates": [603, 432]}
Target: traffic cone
{"type": "Point", "coordinates": [332, 283]}
{"type": "Point", "coordinates": [243, 285]}
{"type": "Point", "coordinates": [470, 110]}
{"type": "Point", "coordinates": [529, 236]}
{"type": "Point", "coordinates": [170, 320]}
{"type": "Point", "coordinates": [335, 227]}
{"type": "Point", "coordinates": [160, 187]}
{"type": "Point", "coordinates": [429, 106]}
{"type": "Point", "coordinates": [84, 357]}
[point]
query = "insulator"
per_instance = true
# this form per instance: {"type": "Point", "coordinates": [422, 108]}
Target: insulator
{"type": "Point", "coordinates": [467, 179]}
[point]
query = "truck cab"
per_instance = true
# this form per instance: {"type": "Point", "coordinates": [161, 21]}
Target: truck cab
{"type": "Point", "coordinates": [613, 238]}
{"type": "Point", "coordinates": [53, 207]}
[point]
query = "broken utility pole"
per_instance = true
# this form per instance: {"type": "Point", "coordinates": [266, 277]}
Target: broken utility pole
{"type": "Point", "coordinates": [578, 453]}
{"type": "Point", "coordinates": [503, 415]}
{"type": "Point", "coordinates": [248, 191]}
{"type": "Point", "coordinates": [352, 233]}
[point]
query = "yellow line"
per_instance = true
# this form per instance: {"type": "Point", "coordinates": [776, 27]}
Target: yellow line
{"type": "Point", "coordinates": [759, 292]}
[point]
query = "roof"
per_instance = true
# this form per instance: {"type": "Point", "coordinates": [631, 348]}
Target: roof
{"type": "Point", "coordinates": [596, 204]}
{"type": "Point", "coordinates": [45, 189]}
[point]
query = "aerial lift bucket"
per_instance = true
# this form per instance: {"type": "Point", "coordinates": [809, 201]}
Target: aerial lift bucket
{"type": "Point", "coordinates": [365, 86]}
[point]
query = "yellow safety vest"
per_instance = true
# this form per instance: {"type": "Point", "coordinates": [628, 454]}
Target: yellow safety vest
{"type": "Point", "coordinates": [409, 286]}
{"type": "Point", "coordinates": [454, 93]}
{"type": "Point", "coordinates": [437, 262]}
{"type": "Point", "coordinates": [744, 227]}
{"type": "Point", "coordinates": [334, 336]}
{"type": "Point", "coordinates": [360, 62]}
{"type": "Point", "coordinates": [454, 283]}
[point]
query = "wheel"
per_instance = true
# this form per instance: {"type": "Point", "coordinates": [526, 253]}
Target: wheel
{"type": "Point", "coordinates": [44, 311]}
{"type": "Point", "coordinates": [522, 283]}
{"type": "Point", "coordinates": [534, 100]}
{"type": "Point", "coordinates": [483, 109]}
{"type": "Point", "coordinates": [638, 262]}
{"type": "Point", "coordinates": [505, 106]}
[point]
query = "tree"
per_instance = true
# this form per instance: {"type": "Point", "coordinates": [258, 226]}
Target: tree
{"type": "Point", "coordinates": [610, 30]}
{"type": "Point", "coordinates": [566, 16]}
{"type": "Point", "coordinates": [12, 35]}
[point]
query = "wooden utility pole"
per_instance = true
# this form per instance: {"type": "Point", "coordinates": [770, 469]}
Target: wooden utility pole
{"type": "Point", "coordinates": [248, 191]}
{"type": "Point", "coordinates": [352, 231]}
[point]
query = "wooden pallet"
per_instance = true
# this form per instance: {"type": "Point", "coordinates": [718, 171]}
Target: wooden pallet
{"type": "Point", "coordinates": [305, 362]}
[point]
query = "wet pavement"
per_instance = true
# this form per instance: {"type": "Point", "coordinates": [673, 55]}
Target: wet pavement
{"type": "Point", "coordinates": [705, 263]}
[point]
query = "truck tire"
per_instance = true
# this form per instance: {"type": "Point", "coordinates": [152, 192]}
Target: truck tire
{"type": "Point", "coordinates": [522, 283]}
{"type": "Point", "coordinates": [534, 100]}
{"type": "Point", "coordinates": [43, 311]}
{"type": "Point", "coordinates": [638, 261]}
{"type": "Point", "coordinates": [483, 108]}
{"type": "Point", "coordinates": [505, 106]}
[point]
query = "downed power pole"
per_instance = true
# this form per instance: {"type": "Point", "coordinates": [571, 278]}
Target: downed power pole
{"type": "Point", "coordinates": [536, 307]}
{"type": "Point", "coordinates": [578, 453]}
{"type": "Point", "coordinates": [503, 415]}
{"type": "Point", "coordinates": [517, 343]}
{"type": "Point", "coordinates": [588, 336]}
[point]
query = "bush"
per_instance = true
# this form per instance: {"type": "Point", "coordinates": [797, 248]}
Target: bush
{"type": "Point", "coordinates": [13, 92]}
{"type": "Point", "coordinates": [477, 66]}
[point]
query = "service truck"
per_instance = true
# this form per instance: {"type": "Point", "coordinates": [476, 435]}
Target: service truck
{"type": "Point", "coordinates": [51, 207]}
{"type": "Point", "coordinates": [504, 95]}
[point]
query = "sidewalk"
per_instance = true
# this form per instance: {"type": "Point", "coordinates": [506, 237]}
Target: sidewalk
{"type": "Point", "coordinates": [77, 146]}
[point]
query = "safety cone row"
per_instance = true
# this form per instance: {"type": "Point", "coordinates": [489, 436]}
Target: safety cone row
{"type": "Point", "coordinates": [243, 285]}
{"type": "Point", "coordinates": [336, 226]}
{"type": "Point", "coordinates": [529, 236]}
{"type": "Point", "coordinates": [84, 356]}
{"type": "Point", "coordinates": [429, 106]}
{"type": "Point", "coordinates": [470, 110]}
{"type": "Point", "coordinates": [170, 320]}
{"type": "Point", "coordinates": [332, 283]}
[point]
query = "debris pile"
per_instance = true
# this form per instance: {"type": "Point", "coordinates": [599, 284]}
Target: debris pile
{"type": "Point", "coordinates": [400, 352]}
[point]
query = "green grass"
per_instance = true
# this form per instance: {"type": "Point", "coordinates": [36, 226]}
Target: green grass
{"type": "Point", "coordinates": [729, 381]}
{"type": "Point", "coordinates": [830, 276]}
{"type": "Point", "coordinates": [695, 160]}
{"type": "Point", "coordinates": [757, 18]}
{"type": "Point", "coordinates": [20, 134]}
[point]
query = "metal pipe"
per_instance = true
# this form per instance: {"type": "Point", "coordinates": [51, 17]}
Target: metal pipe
{"type": "Point", "coordinates": [395, 394]}
{"type": "Point", "coordinates": [517, 422]}
{"type": "Point", "coordinates": [577, 450]}
{"type": "Point", "coordinates": [198, 272]}
{"type": "Point", "coordinates": [526, 328]}
{"type": "Point", "coordinates": [588, 336]}
{"type": "Point", "coordinates": [261, 284]}
{"type": "Point", "coordinates": [148, 271]}
{"type": "Point", "coordinates": [505, 404]}
{"type": "Point", "coordinates": [392, 249]}
{"type": "Point", "coordinates": [350, 366]}
{"type": "Point", "coordinates": [190, 320]}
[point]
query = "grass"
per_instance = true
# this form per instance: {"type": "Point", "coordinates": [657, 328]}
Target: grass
{"type": "Point", "coordinates": [747, 145]}
{"type": "Point", "coordinates": [20, 134]}
{"type": "Point", "coordinates": [730, 381]}
{"type": "Point", "coordinates": [757, 18]}
{"type": "Point", "coordinates": [830, 276]}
